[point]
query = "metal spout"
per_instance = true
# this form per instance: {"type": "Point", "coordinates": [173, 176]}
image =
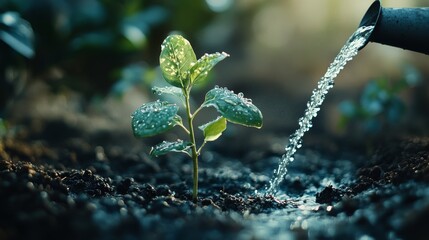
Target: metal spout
{"type": "Point", "coordinates": [406, 28]}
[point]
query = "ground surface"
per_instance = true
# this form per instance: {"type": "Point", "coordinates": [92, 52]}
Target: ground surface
{"type": "Point", "coordinates": [71, 189]}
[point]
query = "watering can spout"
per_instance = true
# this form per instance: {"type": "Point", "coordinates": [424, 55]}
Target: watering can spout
{"type": "Point", "coordinates": [406, 28]}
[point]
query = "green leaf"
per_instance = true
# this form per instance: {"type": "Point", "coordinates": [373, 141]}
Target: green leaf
{"type": "Point", "coordinates": [154, 118]}
{"type": "Point", "coordinates": [173, 91]}
{"type": "Point", "coordinates": [213, 130]}
{"type": "Point", "coordinates": [203, 66]}
{"type": "Point", "coordinates": [234, 107]}
{"type": "Point", "coordinates": [176, 59]}
{"type": "Point", "coordinates": [166, 147]}
{"type": "Point", "coordinates": [170, 94]}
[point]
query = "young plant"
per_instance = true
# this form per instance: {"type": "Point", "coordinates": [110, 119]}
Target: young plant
{"type": "Point", "coordinates": [182, 70]}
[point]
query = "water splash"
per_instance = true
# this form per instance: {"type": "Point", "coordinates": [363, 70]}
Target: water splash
{"type": "Point", "coordinates": [347, 52]}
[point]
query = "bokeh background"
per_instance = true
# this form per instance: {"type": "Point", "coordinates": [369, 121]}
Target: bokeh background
{"type": "Point", "coordinates": [95, 62]}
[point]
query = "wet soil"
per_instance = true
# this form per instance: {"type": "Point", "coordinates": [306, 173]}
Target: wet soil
{"type": "Point", "coordinates": [74, 189]}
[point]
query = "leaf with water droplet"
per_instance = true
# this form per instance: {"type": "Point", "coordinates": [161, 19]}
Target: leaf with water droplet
{"type": "Point", "coordinates": [166, 147]}
{"type": "Point", "coordinates": [174, 91]}
{"type": "Point", "coordinates": [154, 118]}
{"type": "Point", "coordinates": [167, 90]}
{"type": "Point", "coordinates": [203, 66]}
{"type": "Point", "coordinates": [213, 130]}
{"type": "Point", "coordinates": [176, 59]}
{"type": "Point", "coordinates": [235, 108]}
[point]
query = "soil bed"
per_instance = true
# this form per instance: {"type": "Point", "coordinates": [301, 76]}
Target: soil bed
{"type": "Point", "coordinates": [76, 190]}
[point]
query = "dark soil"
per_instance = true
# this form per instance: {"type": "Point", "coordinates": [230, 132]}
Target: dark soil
{"type": "Point", "coordinates": [72, 189]}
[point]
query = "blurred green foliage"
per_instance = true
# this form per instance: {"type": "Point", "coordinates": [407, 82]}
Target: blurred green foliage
{"type": "Point", "coordinates": [17, 34]}
{"type": "Point", "coordinates": [380, 104]}
{"type": "Point", "coordinates": [16, 46]}
{"type": "Point", "coordinates": [94, 43]}
{"type": "Point", "coordinates": [3, 128]}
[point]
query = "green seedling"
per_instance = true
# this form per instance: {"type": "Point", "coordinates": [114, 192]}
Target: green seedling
{"type": "Point", "coordinates": [181, 69]}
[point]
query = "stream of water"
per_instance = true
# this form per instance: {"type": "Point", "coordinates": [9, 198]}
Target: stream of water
{"type": "Point", "coordinates": [347, 52]}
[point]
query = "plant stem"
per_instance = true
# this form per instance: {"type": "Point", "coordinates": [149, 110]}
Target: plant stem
{"type": "Point", "coordinates": [193, 147]}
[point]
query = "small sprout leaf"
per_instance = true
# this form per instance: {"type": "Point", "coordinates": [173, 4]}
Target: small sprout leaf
{"type": "Point", "coordinates": [213, 130]}
{"type": "Point", "coordinates": [166, 147]}
{"type": "Point", "coordinates": [234, 107]}
{"type": "Point", "coordinates": [176, 59]}
{"type": "Point", "coordinates": [154, 118]}
{"type": "Point", "coordinates": [167, 90]}
{"type": "Point", "coordinates": [203, 66]}
{"type": "Point", "coordinates": [172, 91]}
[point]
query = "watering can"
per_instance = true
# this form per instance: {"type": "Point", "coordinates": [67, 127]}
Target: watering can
{"type": "Point", "coordinates": [406, 28]}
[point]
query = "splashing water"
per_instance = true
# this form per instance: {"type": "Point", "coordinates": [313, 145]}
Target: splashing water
{"type": "Point", "coordinates": [347, 52]}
